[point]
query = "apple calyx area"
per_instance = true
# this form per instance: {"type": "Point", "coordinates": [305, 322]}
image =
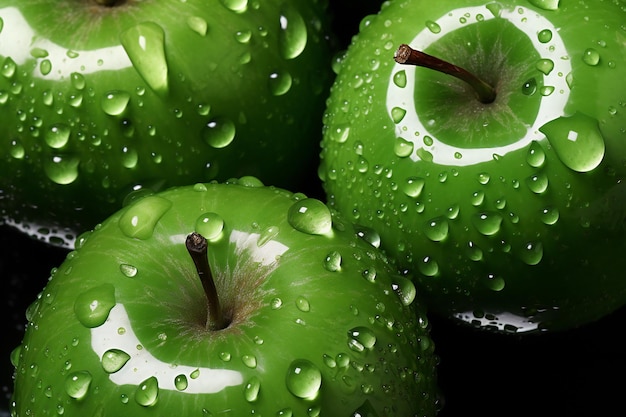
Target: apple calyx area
{"type": "Point", "coordinates": [197, 246]}
{"type": "Point", "coordinates": [406, 55]}
{"type": "Point", "coordinates": [110, 3]}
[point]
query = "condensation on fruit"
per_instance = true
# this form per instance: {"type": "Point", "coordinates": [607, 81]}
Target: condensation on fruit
{"type": "Point", "coordinates": [310, 216]}
{"type": "Point", "coordinates": [140, 219]}
{"type": "Point", "coordinates": [361, 339]}
{"type": "Point", "coordinates": [219, 132]}
{"type": "Point", "coordinates": [210, 225]}
{"type": "Point", "coordinates": [147, 393]}
{"type": "Point", "coordinates": [93, 306]}
{"type": "Point", "coordinates": [113, 360]}
{"type": "Point", "coordinates": [251, 389]}
{"type": "Point", "coordinates": [77, 384]}
{"type": "Point", "coordinates": [293, 35]}
{"type": "Point", "coordinates": [303, 379]}
{"type": "Point", "coordinates": [145, 45]}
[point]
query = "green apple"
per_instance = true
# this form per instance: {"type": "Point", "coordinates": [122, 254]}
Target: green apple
{"type": "Point", "coordinates": [226, 299]}
{"type": "Point", "coordinates": [99, 98]}
{"type": "Point", "coordinates": [507, 211]}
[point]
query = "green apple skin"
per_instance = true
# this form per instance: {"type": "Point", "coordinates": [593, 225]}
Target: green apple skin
{"type": "Point", "coordinates": [509, 215]}
{"type": "Point", "coordinates": [100, 101]}
{"type": "Point", "coordinates": [320, 321]}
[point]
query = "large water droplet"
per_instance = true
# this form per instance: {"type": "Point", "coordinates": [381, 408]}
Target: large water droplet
{"type": "Point", "coordinates": [591, 57]}
{"type": "Point", "coordinates": [310, 216]}
{"type": "Point", "coordinates": [538, 183]}
{"type": "Point", "coordinates": [57, 136]}
{"type": "Point", "coordinates": [433, 26]}
{"type": "Point", "coordinates": [405, 289]}
{"type": "Point", "coordinates": [280, 83]}
{"type": "Point", "coordinates": [550, 215]}
{"type": "Point", "coordinates": [413, 186]}
{"type": "Point", "coordinates": [544, 36]}
{"type": "Point", "coordinates": [219, 133]}
{"type": "Point", "coordinates": [113, 360]}
{"type": "Point", "coordinates": [77, 384]}
{"type": "Point", "coordinates": [198, 25]}
{"type": "Point", "coordinates": [235, 5]}
{"type": "Point", "coordinates": [403, 148]}
{"type": "Point", "coordinates": [536, 155]}
{"type": "Point", "coordinates": [577, 141]}
{"type": "Point", "coordinates": [339, 133]}
{"type": "Point", "coordinates": [62, 169]}
{"type": "Point", "coordinates": [140, 219]}
{"type": "Point", "coordinates": [361, 339]}
{"type": "Point", "coordinates": [545, 65]}
{"type": "Point", "coordinates": [399, 79]}
{"type": "Point", "coordinates": [251, 389]}
{"type": "Point", "coordinates": [303, 304]}
{"type": "Point", "coordinates": [532, 253]}
{"type": "Point", "coordinates": [436, 229]}
{"type": "Point", "coordinates": [249, 361]}
{"type": "Point", "coordinates": [487, 223]}
{"type": "Point", "coordinates": [303, 379]}
{"type": "Point", "coordinates": [180, 382]}
{"type": "Point", "coordinates": [210, 225]}
{"type": "Point", "coordinates": [545, 4]}
{"type": "Point", "coordinates": [92, 307]}
{"type": "Point", "coordinates": [529, 87]}
{"type": "Point", "coordinates": [114, 103]}
{"type": "Point", "coordinates": [332, 262]}
{"type": "Point", "coordinates": [292, 37]}
{"type": "Point", "coordinates": [147, 393]}
{"type": "Point", "coordinates": [145, 46]}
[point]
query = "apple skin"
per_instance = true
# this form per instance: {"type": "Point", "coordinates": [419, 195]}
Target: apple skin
{"type": "Point", "coordinates": [300, 287]}
{"type": "Point", "coordinates": [88, 116]}
{"type": "Point", "coordinates": [501, 217]}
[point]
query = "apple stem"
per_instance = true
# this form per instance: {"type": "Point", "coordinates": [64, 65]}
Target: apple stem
{"type": "Point", "coordinates": [197, 246]}
{"type": "Point", "coordinates": [406, 55]}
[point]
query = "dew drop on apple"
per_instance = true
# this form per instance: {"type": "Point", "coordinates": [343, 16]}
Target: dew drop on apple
{"type": "Point", "coordinates": [267, 234]}
{"type": "Point", "coordinates": [310, 216]}
{"type": "Point", "coordinates": [550, 215]}
{"type": "Point", "coordinates": [538, 183]}
{"type": "Point", "coordinates": [129, 158]}
{"type": "Point", "coordinates": [210, 225]}
{"type": "Point", "coordinates": [362, 164]}
{"type": "Point", "coordinates": [129, 271]}
{"type": "Point", "coordinates": [62, 169]}
{"type": "Point", "coordinates": [303, 379]}
{"type": "Point", "coordinates": [532, 253]}
{"type": "Point", "coordinates": [413, 186]}
{"type": "Point", "coordinates": [494, 282]}
{"type": "Point", "coordinates": [251, 389]}
{"type": "Point", "coordinates": [140, 218]}
{"type": "Point", "coordinates": [403, 148]}
{"type": "Point", "coordinates": [16, 150]}
{"type": "Point", "coordinates": [303, 304]}
{"type": "Point", "coordinates": [529, 87]}
{"type": "Point", "coordinates": [77, 384]}
{"type": "Point", "coordinates": [399, 78]}
{"type": "Point", "coordinates": [180, 382]}
{"type": "Point", "coordinates": [536, 155]}
{"type": "Point", "coordinates": [405, 289]}
{"type": "Point", "coordinates": [8, 67]}
{"type": "Point", "coordinates": [280, 82]}
{"type": "Point", "coordinates": [369, 235]}
{"type": "Point", "coordinates": [145, 45]}
{"type": "Point", "coordinates": [544, 36]}
{"type": "Point", "coordinates": [545, 4]}
{"type": "Point", "coordinates": [147, 392]}
{"type": "Point", "coordinates": [591, 57]}
{"type": "Point", "coordinates": [92, 307]}
{"type": "Point", "coordinates": [428, 266]}
{"type": "Point", "coordinates": [433, 26]}
{"type": "Point", "coordinates": [332, 261]}
{"type": "Point", "coordinates": [113, 360]}
{"type": "Point", "coordinates": [436, 229]}
{"type": "Point", "coordinates": [577, 141]}
{"type": "Point", "coordinates": [487, 223]}
{"type": "Point", "coordinates": [219, 133]}
{"type": "Point", "coordinates": [235, 5]}
{"type": "Point", "coordinates": [339, 133]}
{"type": "Point", "coordinates": [114, 103]}
{"type": "Point", "coordinates": [545, 65]}
{"type": "Point", "coordinates": [361, 339]}
{"type": "Point", "coordinates": [276, 303]}
{"type": "Point", "coordinates": [292, 37]}
{"type": "Point", "coordinates": [198, 25]}
{"type": "Point", "coordinates": [397, 114]}
{"type": "Point", "coordinates": [285, 412]}
{"type": "Point", "coordinates": [473, 252]}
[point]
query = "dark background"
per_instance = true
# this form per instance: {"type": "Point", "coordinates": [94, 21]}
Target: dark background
{"type": "Point", "coordinates": [576, 373]}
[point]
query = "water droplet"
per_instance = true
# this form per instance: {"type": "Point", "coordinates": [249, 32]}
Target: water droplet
{"type": "Point", "coordinates": [8, 67]}
{"type": "Point", "coordinates": [292, 37]}
{"type": "Point", "coordinates": [219, 133]}
{"type": "Point", "coordinates": [545, 4]}
{"type": "Point", "coordinates": [474, 253]}
{"type": "Point", "coordinates": [140, 218]}
{"type": "Point", "coordinates": [276, 303]}
{"type": "Point", "coordinates": [369, 235]}
{"type": "Point", "coordinates": [544, 36]}
{"type": "Point", "coordinates": [413, 187]}
{"type": "Point", "coordinates": [62, 169]}
{"type": "Point", "coordinates": [249, 361]}
{"type": "Point", "coordinates": [495, 8]}
{"type": "Point", "coordinates": [538, 183]}
{"type": "Point", "coordinates": [92, 307]}
{"type": "Point", "coordinates": [545, 65]}
{"type": "Point", "coordinates": [235, 5]}
{"type": "Point", "coordinates": [198, 25]}
{"type": "Point", "coordinates": [361, 339]}
{"type": "Point", "coordinates": [397, 114]}
{"type": "Point", "coordinates": [403, 148]}
{"type": "Point", "coordinates": [532, 253]}
{"type": "Point", "coordinates": [303, 379]}
{"type": "Point", "coordinates": [436, 229]}
{"type": "Point", "coordinates": [529, 87]}
{"type": "Point", "coordinates": [280, 83]}
{"type": "Point", "coordinates": [332, 262]}
{"type": "Point", "coordinates": [399, 78]}
{"type": "Point", "coordinates": [339, 133]}
{"type": "Point", "coordinates": [267, 235]}
{"type": "Point", "coordinates": [145, 46]}
{"type": "Point", "coordinates": [251, 389]}
{"type": "Point", "coordinates": [428, 267]}
{"type": "Point", "coordinates": [285, 412]}
{"type": "Point", "coordinates": [405, 289]}
{"type": "Point", "coordinates": [302, 304]}
{"type": "Point", "coordinates": [147, 393]}
{"type": "Point", "coordinates": [433, 26]}
{"type": "Point", "coordinates": [310, 216]}
{"type": "Point", "coordinates": [114, 103]}
{"type": "Point", "coordinates": [577, 141]}
{"type": "Point", "coordinates": [362, 165]}
{"type": "Point", "coordinates": [16, 150]}
{"type": "Point", "coordinates": [129, 271]}
{"type": "Point", "coordinates": [546, 90]}
{"type": "Point", "coordinates": [210, 225]}
{"type": "Point", "coordinates": [113, 360]}
{"type": "Point", "coordinates": [77, 384]}
{"type": "Point", "coordinates": [535, 156]}
{"type": "Point", "coordinates": [45, 66]}
{"type": "Point", "coordinates": [494, 283]}
{"type": "Point", "coordinates": [550, 215]}
{"type": "Point", "coordinates": [487, 223]}
{"type": "Point", "coordinates": [180, 382]}
{"type": "Point", "coordinates": [129, 158]}
{"type": "Point", "coordinates": [484, 178]}
{"type": "Point", "coordinates": [57, 136]}
{"type": "Point", "coordinates": [591, 57]}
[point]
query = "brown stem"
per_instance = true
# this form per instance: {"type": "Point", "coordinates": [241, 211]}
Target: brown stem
{"type": "Point", "coordinates": [197, 247]}
{"type": "Point", "coordinates": [407, 55]}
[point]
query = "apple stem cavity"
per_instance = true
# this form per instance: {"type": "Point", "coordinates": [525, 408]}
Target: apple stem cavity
{"type": "Point", "coordinates": [109, 3]}
{"type": "Point", "coordinates": [197, 246]}
{"type": "Point", "coordinates": [406, 55]}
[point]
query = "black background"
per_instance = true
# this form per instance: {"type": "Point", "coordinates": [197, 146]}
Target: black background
{"type": "Point", "coordinates": [575, 373]}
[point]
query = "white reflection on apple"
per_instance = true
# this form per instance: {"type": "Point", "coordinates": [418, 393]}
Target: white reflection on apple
{"type": "Point", "coordinates": [18, 40]}
{"type": "Point", "coordinates": [552, 106]}
{"type": "Point", "coordinates": [143, 365]}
